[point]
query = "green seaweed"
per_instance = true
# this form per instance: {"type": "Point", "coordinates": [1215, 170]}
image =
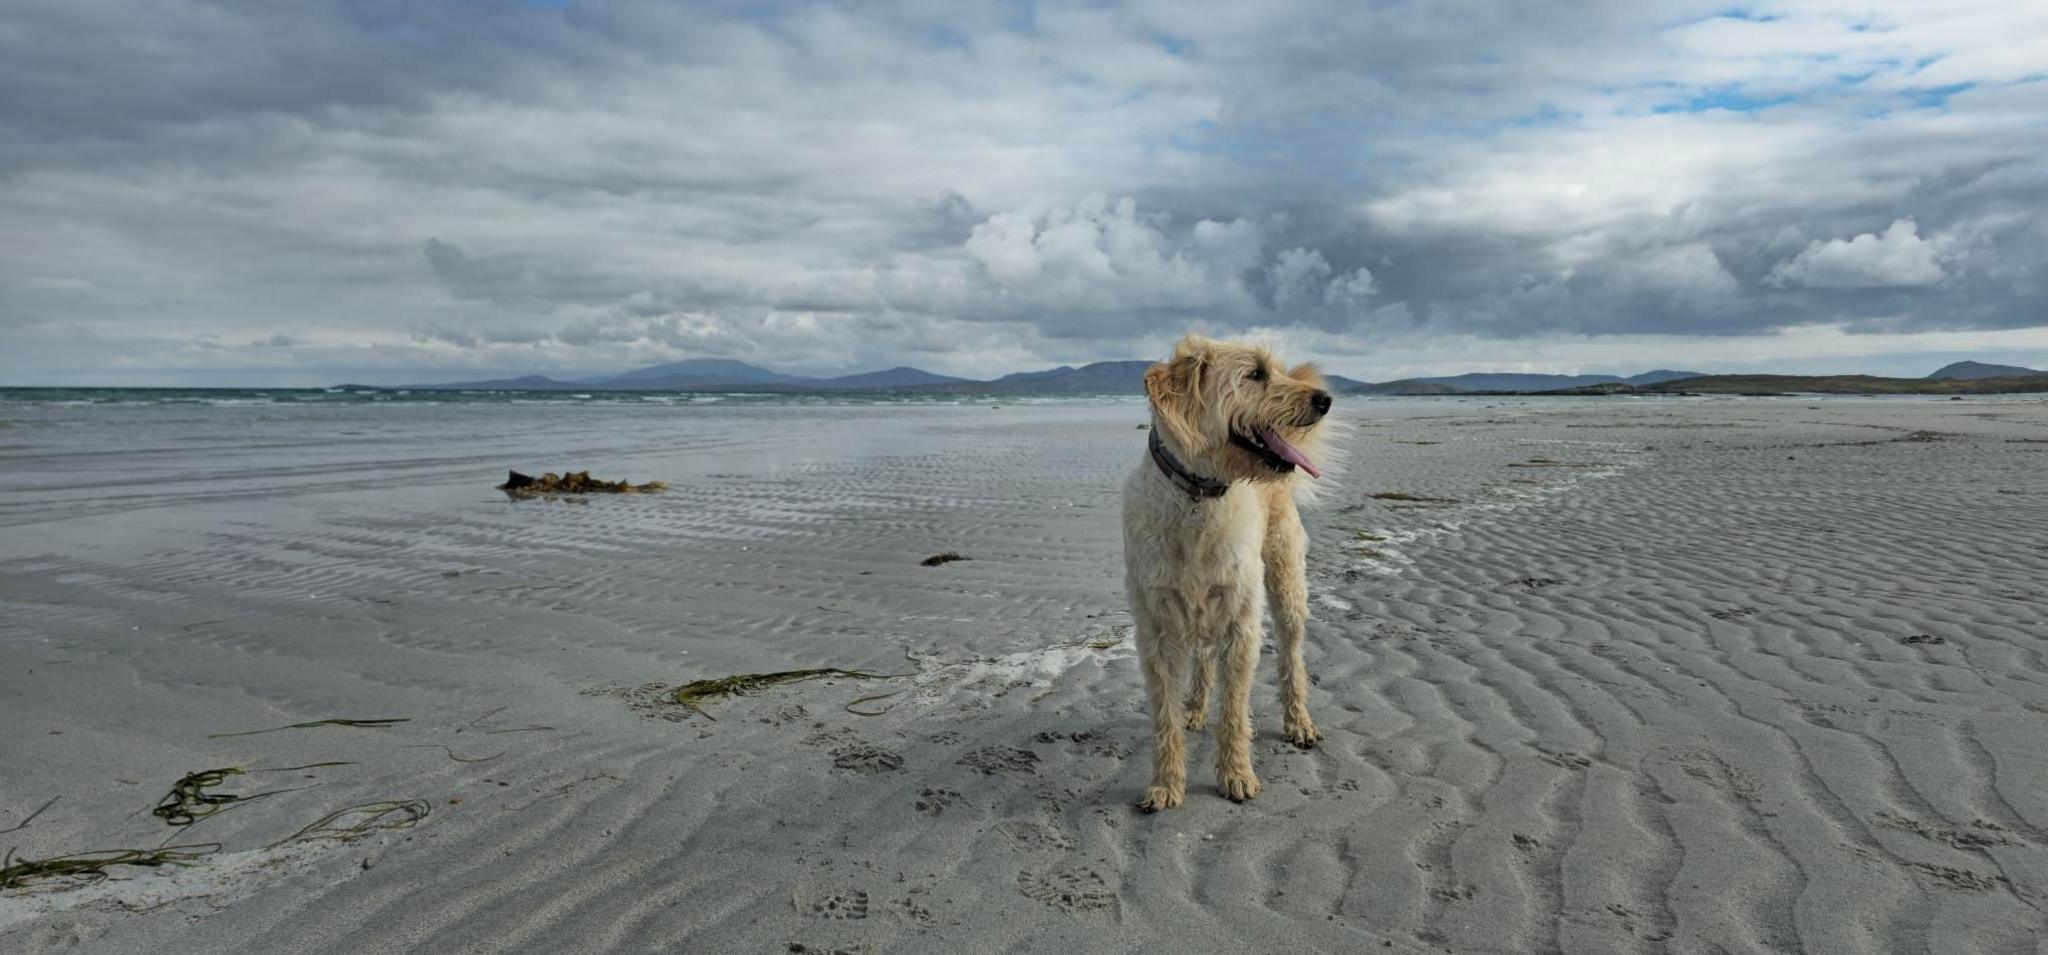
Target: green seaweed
{"type": "Point", "coordinates": [945, 558]}
{"type": "Point", "coordinates": [88, 867]}
{"type": "Point", "coordinates": [189, 801]}
{"type": "Point", "coordinates": [849, 707]}
{"type": "Point", "coordinates": [368, 724]}
{"type": "Point", "coordinates": [354, 822]}
{"type": "Point", "coordinates": [23, 824]}
{"type": "Point", "coordinates": [695, 693]}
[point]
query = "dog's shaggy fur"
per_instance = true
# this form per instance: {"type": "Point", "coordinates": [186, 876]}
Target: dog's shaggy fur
{"type": "Point", "coordinates": [1201, 570]}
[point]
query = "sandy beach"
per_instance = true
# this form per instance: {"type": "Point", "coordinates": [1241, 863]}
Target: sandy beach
{"type": "Point", "coordinates": [1596, 676]}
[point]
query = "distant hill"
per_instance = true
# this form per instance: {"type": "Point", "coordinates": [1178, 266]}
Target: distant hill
{"type": "Point", "coordinates": [1660, 375]}
{"type": "Point", "coordinates": [1849, 385]}
{"type": "Point", "coordinates": [898, 377]}
{"type": "Point", "coordinates": [1495, 381]}
{"type": "Point", "coordinates": [1978, 369]}
{"type": "Point", "coordinates": [521, 383]}
{"type": "Point", "coordinates": [1405, 386]}
{"type": "Point", "coordinates": [1100, 378]}
{"type": "Point", "coordinates": [1483, 382]}
{"type": "Point", "coordinates": [697, 373]}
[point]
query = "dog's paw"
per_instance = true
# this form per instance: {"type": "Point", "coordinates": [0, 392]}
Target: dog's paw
{"type": "Point", "coordinates": [1303, 733]}
{"type": "Point", "coordinates": [1198, 721]}
{"type": "Point", "coordinates": [1238, 786]}
{"type": "Point", "coordinates": [1159, 797]}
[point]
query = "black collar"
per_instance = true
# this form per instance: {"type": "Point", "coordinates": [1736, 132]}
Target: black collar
{"type": "Point", "coordinates": [1196, 487]}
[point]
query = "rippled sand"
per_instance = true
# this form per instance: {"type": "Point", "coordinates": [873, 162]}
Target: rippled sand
{"type": "Point", "coordinates": [1639, 676]}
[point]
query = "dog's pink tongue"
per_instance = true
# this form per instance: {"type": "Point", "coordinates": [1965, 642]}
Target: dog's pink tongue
{"type": "Point", "coordinates": [1288, 452]}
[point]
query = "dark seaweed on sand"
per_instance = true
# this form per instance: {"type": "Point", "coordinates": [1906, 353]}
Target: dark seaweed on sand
{"type": "Point", "coordinates": [189, 801]}
{"type": "Point", "coordinates": [574, 482]}
{"type": "Point", "coordinates": [370, 724]}
{"type": "Point", "coordinates": [945, 558]}
{"type": "Point", "coordinates": [693, 694]}
{"type": "Point", "coordinates": [87, 867]}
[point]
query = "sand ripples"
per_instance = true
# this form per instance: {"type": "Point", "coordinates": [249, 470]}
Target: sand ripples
{"type": "Point", "coordinates": [1621, 677]}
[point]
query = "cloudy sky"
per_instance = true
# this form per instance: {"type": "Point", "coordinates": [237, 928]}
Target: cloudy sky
{"type": "Point", "coordinates": [300, 193]}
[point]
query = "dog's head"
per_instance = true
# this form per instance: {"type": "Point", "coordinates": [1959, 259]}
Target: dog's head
{"type": "Point", "coordinates": [1234, 412]}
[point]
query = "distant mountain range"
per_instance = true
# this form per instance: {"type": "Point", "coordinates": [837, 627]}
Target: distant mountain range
{"type": "Point", "coordinates": [1127, 378]}
{"type": "Point", "coordinates": [1977, 369]}
{"type": "Point", "coordinates": [1497, 381]}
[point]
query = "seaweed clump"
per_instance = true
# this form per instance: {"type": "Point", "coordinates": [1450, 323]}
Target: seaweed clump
{"type": "Point", "coordinates": [574, 482]}
{"type": "Point", "coordinates": [87, 867]}
{"type": "Point", "coordinates": [189, 801]}
{"type": "Point", "coordinates": [694, 693]}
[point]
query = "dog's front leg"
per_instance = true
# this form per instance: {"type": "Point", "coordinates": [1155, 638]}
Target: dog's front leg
{"type": "Point", "coordinates": [1240, 658]}
{"type": "Point", "coordinates": [1287, 593]}
{"type": "Point", "coordinates": [1166, 665]}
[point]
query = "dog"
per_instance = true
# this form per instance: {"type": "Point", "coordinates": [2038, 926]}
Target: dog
{"type": "Point", "coordinates": [1211, 538]}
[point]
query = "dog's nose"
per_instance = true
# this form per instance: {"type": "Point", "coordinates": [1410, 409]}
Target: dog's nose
{"type": "Point", "coordinates": [1320, 402]}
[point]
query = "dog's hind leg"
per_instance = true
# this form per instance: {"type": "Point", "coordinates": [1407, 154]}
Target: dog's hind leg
{"type": "Point", "coordinates": [1240, 653]}
{"type": "Point", "coordinates": [1166, 667]}
{"type": "Point", "coordinates": [1201, 678]}
{"type": "Point", "coordinates": [1287, 592]}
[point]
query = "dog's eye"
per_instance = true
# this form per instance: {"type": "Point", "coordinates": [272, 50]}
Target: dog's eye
{"type": "Point", "coordinates": [1258, 374]}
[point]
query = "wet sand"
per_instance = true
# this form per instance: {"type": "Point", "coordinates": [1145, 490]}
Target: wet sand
{"type": "Point", "coordinates": [1638, 676]}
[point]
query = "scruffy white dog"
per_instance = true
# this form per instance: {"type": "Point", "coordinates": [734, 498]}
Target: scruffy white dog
{"type": "Point", "coordinates": [1210, 535]}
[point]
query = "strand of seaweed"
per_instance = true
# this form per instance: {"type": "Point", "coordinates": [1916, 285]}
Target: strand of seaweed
{"type": "Point", "coordinates": [17, 827]}
{"type": "Point", "coordinates": [369, 724]}
{"type": "Point", "coordinates": [694, 693]}
{"type": "Point", "coordinates": [361, 820]}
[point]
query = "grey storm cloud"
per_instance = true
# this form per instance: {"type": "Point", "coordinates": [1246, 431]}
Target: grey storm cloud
{"type": "Point", "coordinates": [387, 187]}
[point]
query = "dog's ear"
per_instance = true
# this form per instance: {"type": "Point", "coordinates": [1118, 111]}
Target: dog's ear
{"type": "Point", "coordinates": [1175, 387]}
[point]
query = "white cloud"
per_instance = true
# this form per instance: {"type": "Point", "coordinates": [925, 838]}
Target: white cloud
{"type": "Point", "coordinates": [1099, 256]}
{"type": "Point", "coordinates": [1896, 258]}
{"type": "Point", "coordinates": [805, 187]}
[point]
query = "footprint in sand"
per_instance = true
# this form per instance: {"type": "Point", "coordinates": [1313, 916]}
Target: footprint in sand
{"type": "Point", "coordinates": [866, 760]}
{"type": "Point", "coordinates": [1002, 759]}
{"type": "Point", "coordinates": [1025, 836]}
{"type": "Point", "coordinates": [839, 905]}
{"type": "Point", "coordinates": [1070, 888]}
{"type": "Point", "coordinates": [911, 911]}
{"type": "Point", "coordinates": [932, 801]}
